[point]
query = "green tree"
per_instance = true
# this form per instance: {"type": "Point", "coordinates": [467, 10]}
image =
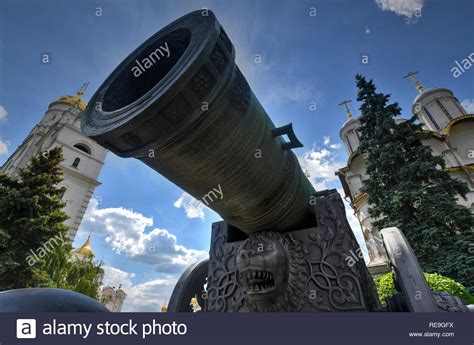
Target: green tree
{"type": "Point", "coordinates": [61, 270]}
{"type": "Point", "coordinates": [408, 188]}
{"type": "Point", "coordinates": [437, 283]}
{"type": "Point", "coordinates": [32, 219]}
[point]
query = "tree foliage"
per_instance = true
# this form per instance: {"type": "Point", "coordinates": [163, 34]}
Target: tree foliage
{"type": "Point", "coordinates": [35, 250]}
{"type": "Point", "coordinates": [409, 189]}
{"type": "Point", "coordinates": [436, 283]}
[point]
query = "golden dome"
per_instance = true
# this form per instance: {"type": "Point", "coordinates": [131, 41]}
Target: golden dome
{"type": "Point", "coordinates": [85, 249]}
{"type": "Point", "coordinates": [74, 100]}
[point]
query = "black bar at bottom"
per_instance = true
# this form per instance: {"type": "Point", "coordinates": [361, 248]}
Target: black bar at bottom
{"type": "Point", "coordinates": [242, 328]}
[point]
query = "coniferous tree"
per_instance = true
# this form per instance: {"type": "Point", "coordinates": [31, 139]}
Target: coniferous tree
{"type": "Point", "coordinates": [408, 188]}
{"type": "Point", "coordinates": [30, 215]}
{"type": "Point", "coordinates": [35, 250]}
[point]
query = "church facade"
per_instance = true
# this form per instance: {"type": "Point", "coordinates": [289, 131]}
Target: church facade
{"type": "Point", "coordinates": [83, 158]}
{"type": "Point", "coordinates": [452, 137]}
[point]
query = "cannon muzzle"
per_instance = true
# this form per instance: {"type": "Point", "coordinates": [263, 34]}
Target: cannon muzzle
{"type": "Point", "coordinates": [180, 104]}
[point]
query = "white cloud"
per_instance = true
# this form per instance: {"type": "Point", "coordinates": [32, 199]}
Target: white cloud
{"type": "Point", "coordinates": [193, 208]}
{"type": "Point", "coordinates": [321, 164]}
{"type": "Point", "coordinates": [3, 147]}
{"type": "Point", "coordinates": [126, 234]}
{"type": "Point", "coordinates": [145, 297]}
{"type": "Point", "coordinates": [468, 104]}
{"type": "Point", "coordinates": [115, 277]}
{"type": "Point", "coordinates": [3, 112]}
{"type": "Point", "coordinates": [283, 93]}
{"type": "Point", "coordinates": [411, 9]}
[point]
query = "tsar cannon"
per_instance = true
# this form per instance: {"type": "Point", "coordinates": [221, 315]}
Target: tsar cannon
{"type": "Point", "coordinates": [180, 104]}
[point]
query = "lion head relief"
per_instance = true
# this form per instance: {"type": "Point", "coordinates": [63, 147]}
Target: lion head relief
{"type": "Point", "coordinates": [271, 272]}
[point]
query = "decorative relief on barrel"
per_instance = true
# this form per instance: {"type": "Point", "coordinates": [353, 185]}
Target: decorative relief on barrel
{"type": "Point", "coordinates": [131, 139]}
{"type": "Point", "coordinates": [239, 95]}
{"type": "Point", "coordinates": [177, 109]}
{"type": "Point", "coordinates": [218, 58]}
{"type": "Point", "coordinates": [202, 82]}
{"type": "Point", "coordinates": [225, 40]}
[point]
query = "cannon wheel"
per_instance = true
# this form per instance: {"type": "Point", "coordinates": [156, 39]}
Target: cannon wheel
{"type": "Point", "coordinates": [190, 284]}
{"type": "Point", "coordinates": [409, 278]}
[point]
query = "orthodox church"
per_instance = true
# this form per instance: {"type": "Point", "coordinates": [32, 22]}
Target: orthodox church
{"type": "Point", "coordinates": [452, 137]}
{"type": "Point", "coordinates": [83, 158]}
{"type": "Point", "coordinates": [111, 297]}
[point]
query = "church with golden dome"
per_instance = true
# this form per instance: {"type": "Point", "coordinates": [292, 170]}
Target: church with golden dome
{"type": "Point", "coordinates": [83, 157]}
{"type": "Point", "coordinates": [452, 137]}
{"type": "Point", "coordinates": [85, 251]}
{"type": "Point", "coordinates": [111, 297]}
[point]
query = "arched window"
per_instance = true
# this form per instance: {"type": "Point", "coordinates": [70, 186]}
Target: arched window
{"type": "Point", "coordinates": [76, 162]}
{"type": "Point", "coordinates": [83, 148]}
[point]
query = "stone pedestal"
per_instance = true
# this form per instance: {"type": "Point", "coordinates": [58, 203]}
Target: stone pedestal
{"type": "Point", "coordinates": [314, 269]}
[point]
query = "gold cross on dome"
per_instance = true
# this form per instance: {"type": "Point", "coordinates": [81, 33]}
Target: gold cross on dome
{"type": "Point", "coordinates": [345, 102]}
{"type": "Point", "coordinates": [411, 75]}
{"type": "Point", "coordinates": [83, 88]}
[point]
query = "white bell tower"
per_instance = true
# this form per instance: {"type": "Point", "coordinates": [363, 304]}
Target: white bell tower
{"type": "Point", "coordinates": [83, 157]}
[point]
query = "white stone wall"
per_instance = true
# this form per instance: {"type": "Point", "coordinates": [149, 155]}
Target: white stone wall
{"type": "Point", "coordinates": [60, 126]}
{"type": "Point", "coordinates": [356, 175]}
{"type": "Point", "coordinates": [461, 137]}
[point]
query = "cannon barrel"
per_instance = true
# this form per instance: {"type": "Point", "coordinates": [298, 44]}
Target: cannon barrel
{"type": "Point", "coordinates": [180, 104]}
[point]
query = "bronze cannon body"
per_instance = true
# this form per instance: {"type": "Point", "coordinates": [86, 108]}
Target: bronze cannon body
{"type": "Point", "coordinates": [180, 104]}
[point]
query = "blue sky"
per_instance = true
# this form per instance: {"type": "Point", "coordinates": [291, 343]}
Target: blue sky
{"type": "Point", "coordinates": [158, 231]}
